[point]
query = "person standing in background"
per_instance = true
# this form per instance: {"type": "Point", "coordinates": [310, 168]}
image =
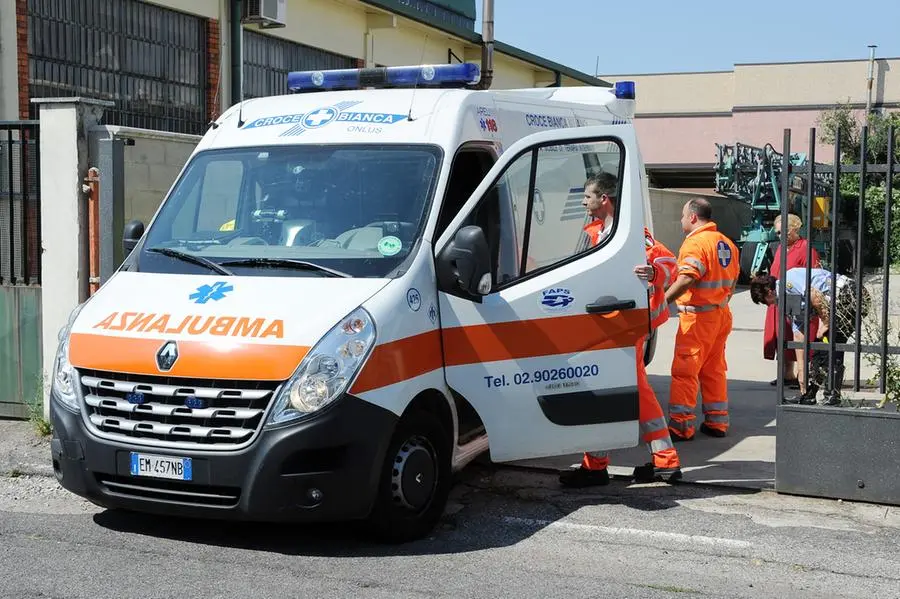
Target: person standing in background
{"type": "Point", "coordinates": [708, 270]}
{"type": "Point", "coordinates": [796, 258]}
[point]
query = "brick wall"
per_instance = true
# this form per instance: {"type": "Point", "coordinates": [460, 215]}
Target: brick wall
{"type": "Point", "coordinates": [213, 68]}
{"type": "Point", "coordinates": [22, 47]}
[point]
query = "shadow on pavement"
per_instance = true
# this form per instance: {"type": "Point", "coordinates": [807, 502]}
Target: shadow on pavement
{"type": "Point", "coordinates": [744, 458]}
{"type": "Point", "coordinates": [490, 507]}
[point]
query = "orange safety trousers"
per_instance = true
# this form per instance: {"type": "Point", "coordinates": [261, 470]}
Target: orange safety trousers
{"type": "Point", "coordinates": [699, 363]}
{"type": "Point", "coordinates": [652, 423]}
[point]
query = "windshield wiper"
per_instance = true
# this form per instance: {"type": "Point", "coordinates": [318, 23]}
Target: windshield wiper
{"type": "Point", "coordinates": [194, 259]}
{"type": "Point", "coordinates": [287, 263]}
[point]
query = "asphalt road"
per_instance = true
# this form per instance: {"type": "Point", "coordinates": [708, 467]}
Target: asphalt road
{"type": "Point", "coordinates": [506, 534]}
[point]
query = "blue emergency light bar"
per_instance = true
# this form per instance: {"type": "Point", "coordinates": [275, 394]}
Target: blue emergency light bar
{"type": "Point", "coordinates": [439, 75]}
{"type": "Point", "coordinates": [625, 90]}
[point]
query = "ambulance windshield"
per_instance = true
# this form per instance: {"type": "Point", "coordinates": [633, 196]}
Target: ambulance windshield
{"type": "Point", "coordinates": [358, 210]}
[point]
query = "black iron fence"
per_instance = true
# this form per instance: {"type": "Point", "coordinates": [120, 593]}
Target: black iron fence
{"type": "Point", "coordinates": [847, 301]}
{"type": "Point", "coordinates": [149, 60]}
{"type": "Point", "coordinates": [268, 60]}
{"type": "Point", "coordinates": [20, 203]}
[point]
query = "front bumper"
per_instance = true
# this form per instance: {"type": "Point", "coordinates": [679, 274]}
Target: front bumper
{"type": "Point", "coordinates": [340, 452]}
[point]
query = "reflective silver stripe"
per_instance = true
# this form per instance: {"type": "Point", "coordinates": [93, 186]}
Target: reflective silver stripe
{"type": "Point", "coordinates": [717, 418]}
{"type": "Point", "coordinates": [682, 427]}
{"type": "Point", "coordinates": [680, 409]}
{"type": "Point", "coordinates": [703, 308]}
{"type": "Point", "coordinates": [655, 425]}
{"type": "Point", "coordinates": [661, 445]}
{"type": "Point", "coordinates": [715, 407]}
{"type": "Point", "coordinates": [657, 311]}
{"type": "Point", "coordinates": [598, 454]}
{"type": "Point", "coordinates": [696, 264]}
{"type": "Point", "coordinates": [714, 284]}
{"type": "Point", "coordinates": [662, 262]}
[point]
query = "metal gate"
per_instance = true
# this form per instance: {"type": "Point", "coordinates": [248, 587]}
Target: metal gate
{"type": "Point", "coordinates": [21, 383]}
{"type": "Point", "coordinates": [850, 209]}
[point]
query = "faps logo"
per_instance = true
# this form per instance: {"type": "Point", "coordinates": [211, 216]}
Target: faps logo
{"type": "Point", "coordinates": [556, 300]}
{"type": "Point", "coordinates": [326, 115]}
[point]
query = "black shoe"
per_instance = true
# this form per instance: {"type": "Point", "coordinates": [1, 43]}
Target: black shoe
{"type": "Point", "coordinates": [650, 474]}
{"type": "Point", "coordinates": [711, 432]}
{"type": "Point", "coordinates": [804, 399]}
{"type": "Point", "coordinates": [582, 477]}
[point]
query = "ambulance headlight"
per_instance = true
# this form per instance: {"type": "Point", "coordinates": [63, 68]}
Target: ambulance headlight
{"type": "Point", "coordinates": [327, 369]}
{"type": "Point", "coordinates": [64, 381]}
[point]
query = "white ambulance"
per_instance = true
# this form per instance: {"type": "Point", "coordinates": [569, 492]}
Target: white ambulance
{"type": "Point", "coordinates": [350, 293]}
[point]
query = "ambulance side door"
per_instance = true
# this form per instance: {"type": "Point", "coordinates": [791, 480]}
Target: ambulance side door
{"type": "Point", "coordinates": [538, 327]}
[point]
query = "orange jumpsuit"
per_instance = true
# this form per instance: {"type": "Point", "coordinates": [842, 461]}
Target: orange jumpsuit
{"type": "Point", "coordinates": [650, 415]}
{"type": "Point", "coordinates": [711, 259]}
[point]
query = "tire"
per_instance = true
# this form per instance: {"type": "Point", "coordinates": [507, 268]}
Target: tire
{"type": "Point", "coordinates": [419, 452]}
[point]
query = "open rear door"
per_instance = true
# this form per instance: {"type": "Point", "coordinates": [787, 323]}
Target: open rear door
{"type": "Point", "coordinates": [547, 355]}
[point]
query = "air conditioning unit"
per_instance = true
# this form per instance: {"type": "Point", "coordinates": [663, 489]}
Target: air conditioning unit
{"type": "Point", "coordinates": [267, 14]}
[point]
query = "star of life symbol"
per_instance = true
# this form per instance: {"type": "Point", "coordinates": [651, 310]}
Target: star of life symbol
{"type": "Point", "coordinates": [214, 292]}
{"type": "Point", "coordinates": [724, 253]}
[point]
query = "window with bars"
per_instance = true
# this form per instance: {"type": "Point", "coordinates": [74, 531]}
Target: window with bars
{"type": "Point", "coordinates": [268, 60]}
{"type": "Point", "coordinates": [151, 61]}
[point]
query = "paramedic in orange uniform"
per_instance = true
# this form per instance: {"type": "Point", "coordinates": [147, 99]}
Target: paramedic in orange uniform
{"type": "Point", "coordinates": [708, 269]}
{"type": "Point", "coordinates": [660, 270]}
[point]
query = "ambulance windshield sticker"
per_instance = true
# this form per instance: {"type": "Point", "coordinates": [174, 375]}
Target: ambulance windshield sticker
{"type": "Point", "coordinates": [389, 246]}
{"type": "Point", "coordinates": [556, 299]}
{"type": "Point", "coordinates": [323, 116]}
{"type": "Point", "coordinates": [414, 299]}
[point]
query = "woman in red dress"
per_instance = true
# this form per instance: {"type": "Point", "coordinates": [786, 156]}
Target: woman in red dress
{"type": "Point", "coordinates": [796, 258]}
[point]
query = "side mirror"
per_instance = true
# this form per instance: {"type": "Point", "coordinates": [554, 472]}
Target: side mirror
{"type": "Point", "coordinates": [466, 263]}
{"type": "Point", "coordinates": [131, 235]}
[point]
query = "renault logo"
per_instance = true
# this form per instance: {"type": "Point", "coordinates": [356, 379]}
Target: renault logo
{"type": "Point", "coordinates": [167, 356]}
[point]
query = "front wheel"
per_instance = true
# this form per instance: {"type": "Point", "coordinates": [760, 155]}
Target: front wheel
{"type": "Point", "coordinates": [415, 480]}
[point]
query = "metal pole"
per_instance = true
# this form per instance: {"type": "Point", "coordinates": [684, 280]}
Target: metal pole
{"type": "Point", "coordinates": [885, 293]}
{"type": "Point", "coordinates": [810, 197]}
{"type": "Point", "coordinates": [860, 228]}
{"type": "Point", "coordinates": [780, 312]}
{"type": "Point", "coordinates": [237, 52]}
{"type": "Point", "coordinates": [869, 80]}
{"type": "Point", "coordinates": [835, 198]}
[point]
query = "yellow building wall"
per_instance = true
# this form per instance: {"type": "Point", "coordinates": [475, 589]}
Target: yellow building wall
{"type": "Point", "coordinates": [341, 26]}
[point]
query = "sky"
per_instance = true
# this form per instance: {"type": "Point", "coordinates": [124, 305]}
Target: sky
{"type": "Point", "coordinates": [651, 36]}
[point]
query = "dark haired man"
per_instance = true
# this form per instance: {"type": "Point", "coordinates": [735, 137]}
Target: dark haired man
{"type": "Point", "coordinates": [659, 270]}
{"type": "Point", "coordinates": [708, 270]}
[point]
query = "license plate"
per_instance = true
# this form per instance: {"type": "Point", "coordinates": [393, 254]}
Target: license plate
{"type": "Point", "coordinates": [159, 466]}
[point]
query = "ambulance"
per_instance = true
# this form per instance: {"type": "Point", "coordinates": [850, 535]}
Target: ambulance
{"type": "Point", "coordinates": [353, 290]}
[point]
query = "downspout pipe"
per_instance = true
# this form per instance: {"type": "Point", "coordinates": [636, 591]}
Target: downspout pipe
{"type": "Point", "coordinates": [487, 44]}
{"type": "Point", "coordinates": [237, 52]}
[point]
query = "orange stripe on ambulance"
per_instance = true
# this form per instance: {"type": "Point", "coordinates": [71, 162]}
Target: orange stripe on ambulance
{"type": "Point", "coordinates": [221, 326]}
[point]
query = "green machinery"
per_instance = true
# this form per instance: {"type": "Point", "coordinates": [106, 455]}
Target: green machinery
{"type": "Point", "coordinates": [754, 175]}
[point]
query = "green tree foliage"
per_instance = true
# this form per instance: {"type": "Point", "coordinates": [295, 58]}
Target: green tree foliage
{"type": "Point", "coordinates": [842, 118]}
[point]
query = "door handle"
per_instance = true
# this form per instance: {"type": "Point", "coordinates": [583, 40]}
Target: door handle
{"type": "Point", "coordinates": [607, 303]}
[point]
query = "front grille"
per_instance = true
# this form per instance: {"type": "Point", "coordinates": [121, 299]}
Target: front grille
{"type": "Point", "coordinates": [174, 492]}
{"type": "Point", "coordinates": [222, 415]}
